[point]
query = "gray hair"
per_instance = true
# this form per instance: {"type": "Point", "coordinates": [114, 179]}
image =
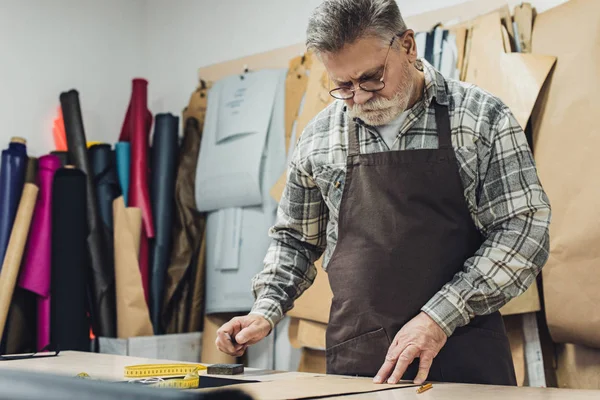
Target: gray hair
{"type": "Point", "coordinates": [335, 23]}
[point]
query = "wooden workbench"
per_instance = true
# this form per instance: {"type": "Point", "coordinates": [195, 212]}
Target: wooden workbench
{"type": "Point", "coordinates": [110, 368]}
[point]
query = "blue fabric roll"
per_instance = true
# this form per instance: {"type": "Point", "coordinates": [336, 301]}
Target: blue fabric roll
{"type": "Point", "coordinates": [12, 179]}
{"type": "Point", "coordinates": [123, 152]}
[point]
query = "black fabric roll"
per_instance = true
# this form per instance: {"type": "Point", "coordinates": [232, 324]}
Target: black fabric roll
{"type": "Point", "coordinates": [69, 324]}
{"type": "Point", "coordinates": [165, 149]}
{"type": "Point", "coordinates": [31, 170]}
{"type": "Point", "coordinates": [63, 156]}
{"type": "Point", "coordinates": [104, 170]}
{"type": "Point", "coordinates": [99, 240]}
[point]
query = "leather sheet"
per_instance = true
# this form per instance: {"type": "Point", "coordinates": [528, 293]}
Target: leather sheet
{"type": "Point", "coordinates": [106, 182]}
{"type": "Point", "coordinates": [12, 177]}
{"type": "Point", "coordinates": [99, 240]}
{"type": "Point", "coordinates": [123, 155]}
{"type": "Point", "coordinates": [136, 129]}
{"type": "Point", "coordinates": [165, 150]}
{"type": "Point", "coordinates": [70, 263]}
{"type": "Point", "coordinates": [14, 253]}
{"type": "Point", "coordinates": [188, 226]}
{"type": "Point", "coordinates": [36, 270]}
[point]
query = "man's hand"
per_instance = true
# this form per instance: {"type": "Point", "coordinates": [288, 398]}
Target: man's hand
{"type": "Point", "coordinates": [235, 336]}
{"type": "Point", "coordinates": [421, 337]}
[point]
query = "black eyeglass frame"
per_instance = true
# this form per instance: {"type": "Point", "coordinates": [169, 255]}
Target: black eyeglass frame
{"type": "Point", "coordinates": [360, 85]}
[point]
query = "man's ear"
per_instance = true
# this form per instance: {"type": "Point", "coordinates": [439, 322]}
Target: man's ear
{"type": "Point", "coordinates": [409, 45]}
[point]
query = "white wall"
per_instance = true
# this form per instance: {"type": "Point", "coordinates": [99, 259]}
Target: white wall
{"type": "Point", "coordinates": [47, 47]}
{"type": "Point", "coordinates": [184, 35]}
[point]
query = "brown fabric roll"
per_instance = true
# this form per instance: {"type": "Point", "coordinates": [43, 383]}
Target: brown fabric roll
{"type": "Point", "coordinates": [182, 286]}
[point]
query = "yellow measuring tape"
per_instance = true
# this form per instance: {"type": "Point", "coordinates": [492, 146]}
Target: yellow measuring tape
{"type": "Point", "coordinates": [154, 375]}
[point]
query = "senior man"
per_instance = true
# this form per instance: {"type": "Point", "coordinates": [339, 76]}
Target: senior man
{"type": "Point", "coordinates": [422, 194]}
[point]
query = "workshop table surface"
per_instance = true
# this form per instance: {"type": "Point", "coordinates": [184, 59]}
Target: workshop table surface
{"type": "Point", "coordinates": [111, 368]}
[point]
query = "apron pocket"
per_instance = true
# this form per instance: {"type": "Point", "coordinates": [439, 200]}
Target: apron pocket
{"type": "Point", "coordinates": [359, 356]}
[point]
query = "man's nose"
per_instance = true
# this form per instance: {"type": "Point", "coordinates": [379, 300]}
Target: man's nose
{"type": "Point", "coordinates": [361, 97]}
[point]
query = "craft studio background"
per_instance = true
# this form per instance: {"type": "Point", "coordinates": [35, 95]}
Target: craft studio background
{"type": "Point", "coordinates": [145, 149]}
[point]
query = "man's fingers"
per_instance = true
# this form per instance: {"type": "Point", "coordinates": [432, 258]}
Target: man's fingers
{"type": "Point", "coordinates": [251, 334]}
{"type": "Point", "coordinates": [424, 366]}
{"type": "Point", "coordinates": [406, 358]}
{"type": "Point", "coordinates": [225, 334]}
{"type": "Point", "coordinates": [388, 365]}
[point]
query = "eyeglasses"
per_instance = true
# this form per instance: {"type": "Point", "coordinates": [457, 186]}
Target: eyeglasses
{"type": "Point", "coordinates": [373, 85]}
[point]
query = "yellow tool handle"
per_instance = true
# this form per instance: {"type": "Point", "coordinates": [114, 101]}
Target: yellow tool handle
{"type": "Point", "coordinates": [157, 370]}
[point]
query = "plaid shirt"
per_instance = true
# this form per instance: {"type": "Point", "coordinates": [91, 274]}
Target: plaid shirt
{"type": "Point", "coordinates": [501, 187]}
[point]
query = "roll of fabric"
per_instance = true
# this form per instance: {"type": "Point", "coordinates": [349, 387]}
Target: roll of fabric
{"type": "Point", "coordinates": [99, 239]}
{"type": "Point", "coordinates": [20, 331]}
{"type": "Point", "coordinates": [35, 274]}
{"type": "Point", "coordinates": [14, 253]}
{"type": "Point", "coordinates": [133, 316]}
{"type": "Point", "coordinates": [105, 180]}
{"type": "Point", "coordinates": [164, 164]}
{"type": "Point", "coordinates": [136, 128]}
{"type": "Point", "coordinates": [70, 262]}
{"type": "Point", "coordinates": [31, 170]}
{"type": "Point", "coordinates": [12, 178]}
{"type": "Point", "coordinates": [123, 154]}
{"type": "Point", "coordinates": [188, 230]}
{"type": "Point", "coordinates": [63, 156]}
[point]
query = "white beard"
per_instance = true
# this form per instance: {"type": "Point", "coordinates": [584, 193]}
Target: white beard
{"type": "Point", "coordinates": [380, 111]}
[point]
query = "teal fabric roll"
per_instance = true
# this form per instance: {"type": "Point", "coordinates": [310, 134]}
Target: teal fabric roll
{"type": "Point", "coordinates": [123, 152]}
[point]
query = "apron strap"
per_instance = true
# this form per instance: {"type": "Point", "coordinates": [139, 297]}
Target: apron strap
{"type": "Point", "coordinates": [353, 145]}
{"type": "Point", "coordinates": [442, 121]}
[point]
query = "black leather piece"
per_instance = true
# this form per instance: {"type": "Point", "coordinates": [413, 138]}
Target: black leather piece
{"type": "Point", "coordinates": [99, 240]}
{"type": "Point", "coordinates": [63, 156]}
{"type": "Point", "coordinates": [164, 158]}
{"type": "Point", "coordinates": [69, 324]}
{"type": "Point", "coordinates": [12, 178]}
{"type": "Point", "coordinates": [104, 170]}
{"type": "Point", "coordinates": [31, 170]}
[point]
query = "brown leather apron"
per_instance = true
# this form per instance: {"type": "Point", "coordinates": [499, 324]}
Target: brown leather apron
{"type": "Point", "coordinates": [405, 231]}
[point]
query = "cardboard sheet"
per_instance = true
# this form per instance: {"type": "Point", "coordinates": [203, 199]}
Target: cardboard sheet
{"type": "Point", "coordinates": [566, 138]}
{"type": "Point", "coordinates": [312, 334]}
{"type": "Point", "coordinates": [515, 78]}
{"type": "Point", "coordinates": [133, 316]}
{"type": "Point", "coordinates": [210, 353]}
{"type": "Point", "coordinates": [523, 17]}
{"type": "Point", "coordinates": [525, 303]}
{"type": "Point", "coordinates": [311, 387]}
{"type": "Point", "coordinates": [315, 302]}
{"type": "Point", "coordinates": [231, 155]}
{"type": "Point", "coordinates": [313, 361]}
{"type": "Point", "coordinates": [514, 330]}
{"type": "Point", "coordinates": [578, 367]}
{"type": "Point", "coordinates": [295, 88]}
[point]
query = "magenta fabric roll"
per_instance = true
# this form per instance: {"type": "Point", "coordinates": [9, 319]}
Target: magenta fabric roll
{"type": "Point", "coordinates": [35, 272]}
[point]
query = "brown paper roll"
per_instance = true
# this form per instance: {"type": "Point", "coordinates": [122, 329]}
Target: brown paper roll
{"type": "Point", "coordinates": [14, 251]}
{"type": "Point", "coordinates": [133, 316]}
{"type": "Point", "coordinates": [210, 353]}
{"type": "Point", "coordinates": [134, 216]}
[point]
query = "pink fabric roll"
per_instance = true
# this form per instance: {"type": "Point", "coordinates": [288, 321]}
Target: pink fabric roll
{"type": "Point", "coordinates": [136, 129]}
{"type": "Point", "coordinates": [36, 270]}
